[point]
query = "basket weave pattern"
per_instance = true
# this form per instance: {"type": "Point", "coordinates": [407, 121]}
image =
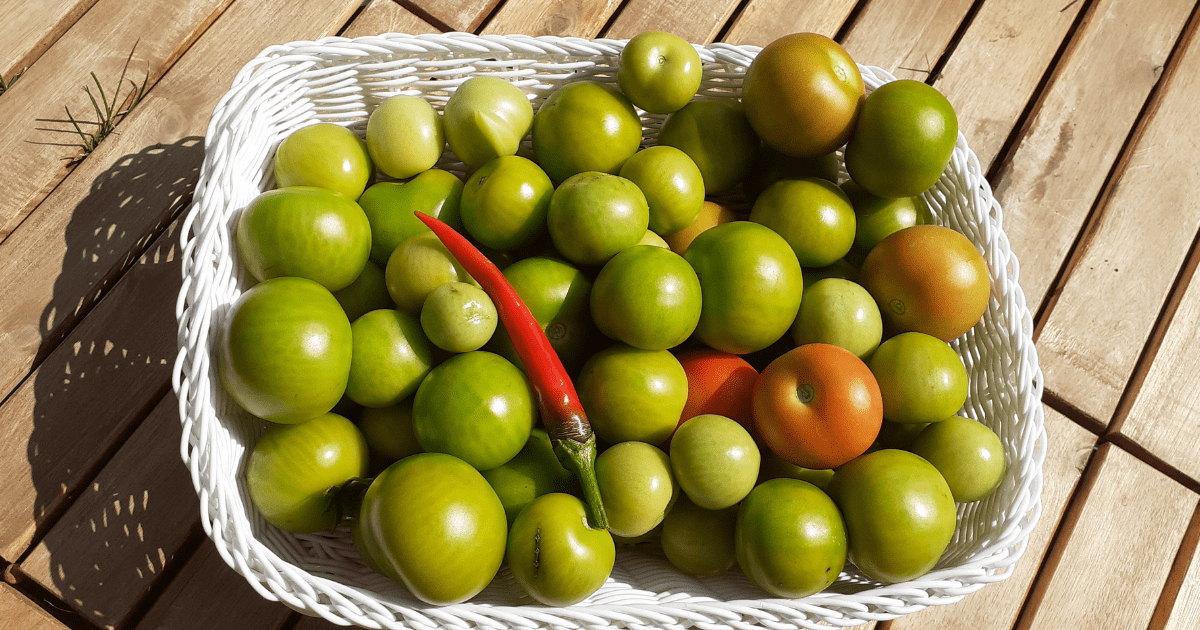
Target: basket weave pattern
{"type": "Point", "coordinates": [342, 81]}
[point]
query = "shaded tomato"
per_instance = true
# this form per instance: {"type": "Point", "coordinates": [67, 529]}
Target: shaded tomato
{"type": "Point", "coordinates": [818, 406]}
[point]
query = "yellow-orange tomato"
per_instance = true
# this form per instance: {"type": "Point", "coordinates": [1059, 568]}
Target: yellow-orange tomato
{"type": "Point", "coordinates": [802, 95]}
{"type": "Point", "coordinates": [718, 383]}
{"type": "Point", "coordinates": [928, 278]}
{"type": "Point", "coordinates": [711, 215]}
{"type": "Point", "coordinates": [817, 406]}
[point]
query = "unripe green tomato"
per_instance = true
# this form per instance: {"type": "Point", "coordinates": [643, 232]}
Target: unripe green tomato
{"type": "Point", "coordinates": [715, 461]}
{"type": "Point", "coordinates": [967, 453]}
{"type": "Point", "coordinates": [659, 72]}
{"type": "Point", "coordinates": [459, 317]}
{"type": "Point", "coordinates": [813, 215]}
{"type": "Point", "coordinates": [697, 541]}
{"type": "Point", "coordinates": [391, 356]}
{"type": "Point", "coordinates": [636, 486]}
{"type": "Point", "coordinates": [672, 184]}
{"type": "Point", "coordinates": [418, 266]}
{"type": "Point", "coordinates": [504, 203]}
{"type": "Point", "coordinates": [367, 293]}
{"type": "Point", "coordinates": [841, 313]}
{"type": "Point", "coordinates": [390, 208]}
{"type": "Point", "coordinates": [647, 297]}
{"type": "Point", "coordinates": [632, 394]}
{"type": "Point", "coordinates": [771, 166]}
{"type": "Point", "coordinates": [920, 377]}
{"type": "Point", "coordinates": [404, 136]}
{"type": "Point", "coordinates": [485, 118]}
{"type": "Point", "coordinates": [554, 555]}
{"type": "Point", "coordinates": [534, 471]}
{"type": "Point", "coordinates": [389, 433]}
{"type": "Point", "coordinates": [585, 126]}
{"type": "Point", "coordinates": [556, 294]}
{"type": "Point", "coordinates": [324, 155]}
{"type": "Point", "coordinates": [877, 217]}
{"type": "Point", "coordinates": [718, 138]}
{"type": "Point", "coordinates": [594, 215]}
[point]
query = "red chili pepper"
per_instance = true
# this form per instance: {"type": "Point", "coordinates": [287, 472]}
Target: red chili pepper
{"type": "Point", "coordinates": [566, 423]}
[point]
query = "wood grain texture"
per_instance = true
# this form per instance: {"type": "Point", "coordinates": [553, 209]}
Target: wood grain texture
{"type": "Point", "coordinates": [997, 65]}
{"type": "Point", "coordinates": [564, 18]}
{"type": "Point", "coordinates": [696, 21]}
{"type": "Point", "coordinates": [385, 16]}
{"type": "Point", "coordinates": [1103, 316]}
{"type": "Point", "coordinates": [459, 15]}
{"type": "Point", "coordinates": [764, 21]}
{"type": "Point", "coordinates": [1113, 566]}
{"type": "Point", "coordinates": [112, 546]}
{"type": "Point", "coordinates": [18, 612]}
{"type": "Point", "coordinates": [1059, 166]}
{"type": "Point", "coordinates": [63, 258]}
{"type": "Point", "coordinates": [1184, 613]}
{"type": "Point", "coordinates": [903, 37]}
{"type": "Point", "coordinates": [997, 605]}
{"type": "Point", "coordinates": [208, 595]}
{"type": "Point", "coordinates": [29, 28]}
{"type": "Point", "coordinates": [99, 42]}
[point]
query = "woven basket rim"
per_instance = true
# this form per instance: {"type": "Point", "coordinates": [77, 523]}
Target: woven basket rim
{"type": "Point", "coordinates": [207, 268]}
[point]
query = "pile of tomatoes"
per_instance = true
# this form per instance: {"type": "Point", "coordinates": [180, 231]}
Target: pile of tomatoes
{"type": "Point", "coordinates": [772, 389]}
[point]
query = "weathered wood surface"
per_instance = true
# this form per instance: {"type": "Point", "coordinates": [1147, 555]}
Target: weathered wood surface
{"type": "Point", "coordinates": [764, 21]}
{"type": "Point", "coordinates": [29, 28]}
{"type": "Point", "coordinates": [18, 611]}
{"type": "Point", "coordinates": [905, 38]}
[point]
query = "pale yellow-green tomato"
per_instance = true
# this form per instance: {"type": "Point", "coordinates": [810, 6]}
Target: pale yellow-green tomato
{"type": "Point", "coordinates": [404, 136]}
{"type": "Point", "coordinates": [459, 317]}
{"type": "Point", "coordinates": [418, 266]}
{"type": "Point", "coordinates": [650, 238]}
{"type": "Point", "coordinates": [485, 118]}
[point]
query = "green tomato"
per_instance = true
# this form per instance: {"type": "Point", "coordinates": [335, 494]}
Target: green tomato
{"type": "Point", "coordinates": [476, 406]}
{"type": "Point", "coordinates": [459, 317]}
{"type": "Point", "coordinates": [812, 215]}
{"type": "Point", "coordinates": [776, 467]}
{"type": "Point", "coordinates": [697, 541]}
{"type": "Point", "coordinates": [307, 232]}
{"type": "Point", "coordinates": [921, 378]}
{"type": "Point", "coordinates": [367, 293]}
{"type": "Point", "coordinates": [293, 468]}
{"type": "Point", "coordinates": [718, 138]}
{"type": "Point", "coordinates": [659, 72]}
{"type": "Point", "coordinates": [841, 313]}
{"type": "Point", "coordinates": [967, 453]}
{"type": "Point", "coordinates": [505, 202]}
{"type": "Point", "coordinates": [557, 295]}
{"type": "Point", "coordinates": [534, 471]}
{"type": "Point", "coordinates": [554, 555]}
{"type": "Point", "coordinates": [390, 207]}
{"type": "Point", "coordinates": [636, 486]}
{"type": "Point", "coordinates": [903, 139]}
{"type": "Point", "coordinates": [899, 513]}
{"type": "Point", "coordinates": [651, 238]}
{"type": "Point", "coordinates": [672, 184]}
{"type": "Point", "coordinates": [284, 354]}
{"type": "Point", "coordinates": [632, 394]}
{"type": "Point", "coordinates": [647, 297]}
{"type": "Point", "coordinates": [389, 433]}
{"type": "Point", "coordinates": [585, 126]}
{"type": "Point", "coordinates": [877, 218]}
{"type": "Point", "coordinates": [434, 525]}
{"type": "Point", "coordinates": [594, 215]}
{"type": "Point", "coordinates": [750, 286]}
{"type": "Point", "coordinates": [486, 118]}
{"type": "Point", "coordinates": [790, 538]}
{"type": "Point", "coordinates": [418, 266]}
{"type": "Point", "coordinates": [404, 136]}
{"type": "Point", "coordinates": [324, 155]}
{"type": "Point", "coordinates": [715, 461]}
{"type": "Point", "coordinates": [391, 356]}
{"type": "Point", "coordinates": [771, 166]}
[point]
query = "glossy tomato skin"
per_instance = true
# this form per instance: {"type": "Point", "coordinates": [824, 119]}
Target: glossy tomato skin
{"type": "Point", "coordinates": [324, 155]}
{"type": "Point", "coordinates": [585, 126]}
{"type": "Point", "coordinates": [718, 138]}
{"type": "Point", "coordinates": [929, 279]}
{"type": "Point", "coordinates": [504, 203]}
{"type": "Point", "coordinates": [434, 524]}
{"type": "Point", "coordinates": [719, 383]}
{"type": "Point", "coordinates": [921, 377]}
{"type": "Point", "coordinates": [637, 487]}
{"type": "Point", "coordinates": [659, 72]}
{"type": "Point", "coordinates": [553, 553]}
{"type": "Point", "coordinates": [485, 118]}
{"type": "Point", "coordinates": [405, 136]}
{"type": "Point", "coordinates": [715, 461]}
{"type": "Point", "coordinates": [812, 215]}
{"type": "Point", "coordinates": [802, 94]}
{"type": "Point", "coordinates": [967, 453]}
{"type": "Point", "coordinates": [558, 296]}
{"type": "Point", "coordinates": [877, 218]}
{"type": "Point", "coordinates": [593, 216]}
{"type": "Point", "coordinates": [904, 138]}
{"type": "Point", "coordinates": [390, 205]}
{"type": "Point", "coordinates": [285, 350]}
{"type": "Point", "coordinates": [647, 297]}
{"type": "Point", "coordinates": [672, 183]}
{"type": "Point", "coordinates": [818, 406]}
{"type": "Point", "coordinates": [632, 394]}
{"type": "Point", "coordinates": [293, 466]}
{"type": "Point", "coordinates": [391, 355]}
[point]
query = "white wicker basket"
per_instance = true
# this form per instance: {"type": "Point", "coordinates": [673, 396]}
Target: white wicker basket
{"type": "Point", "coordinates": [340, 80]}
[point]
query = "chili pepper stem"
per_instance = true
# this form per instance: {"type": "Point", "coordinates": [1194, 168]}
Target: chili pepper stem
{"type": "Point", "coordinates": [579, 458]}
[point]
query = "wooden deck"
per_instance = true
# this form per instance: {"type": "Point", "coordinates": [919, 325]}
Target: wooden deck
{"type": "Point", "coordinates": [1082, 112]}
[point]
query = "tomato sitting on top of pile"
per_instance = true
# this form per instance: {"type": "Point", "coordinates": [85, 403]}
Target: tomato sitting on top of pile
{"type": "Point", "coordinates": [597, 390]}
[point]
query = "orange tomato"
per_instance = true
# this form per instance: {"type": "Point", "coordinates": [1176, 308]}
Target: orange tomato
{"type": "Point", "coordinates": [718, 383]}
{"type": "Point", "coordinates": [817, 406]}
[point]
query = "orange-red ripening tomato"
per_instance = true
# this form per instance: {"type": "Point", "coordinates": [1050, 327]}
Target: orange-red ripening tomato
{"type": "Point", "coordinates": [817, 406]}
{"type": "Point", "coordinates": [928, 278]}
{"type": "Point", "coordinates": [718, 383]}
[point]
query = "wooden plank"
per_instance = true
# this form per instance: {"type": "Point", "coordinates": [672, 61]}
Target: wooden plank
{"type": "Point", "coordinates": [112, 546]}
{"type": "Point", "coordinates": [1113, 566]}
{"type": "Point", "coordinates": [1184, 612]}
{"type": "Point", "coordinates": [903, 37]}
{"type": "Point", "coordinates": [459, 15]}
{"type": "Point", "coordinates": [76, 244]}
{"type": "Point", "coordinates": [207, 594]}
{"type": "Point", "coordinates": [1081, 122]}
{"type": "Point", "coordinates": [1092, 338]}
{"type": "Point", "coordinates": [385, 16]}
{"type": "Point", "coordinates": [697, 21]}
{"type": "Point", "coordinates": [18, 612]}
{"type": "Point", "coordinates": [29, 28]}
{"type": "Point", "coordinates": [564, 18]}
{"type": "Point", "coordinates": [764, 21]}
{"type": "Point", "coordinates": [99, 42]}
{"type": "Point", "coordinates": [997, 605]}
{"type": "Point", "coordinates": [997, 65]}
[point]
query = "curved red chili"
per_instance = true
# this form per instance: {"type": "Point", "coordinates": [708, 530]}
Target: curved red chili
{"type": "Point", "coordinates": [566, 423]}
